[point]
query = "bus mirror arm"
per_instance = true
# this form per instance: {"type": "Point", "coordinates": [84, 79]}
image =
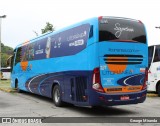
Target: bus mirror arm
{"type": "Point", "coordinates": [9, 61]}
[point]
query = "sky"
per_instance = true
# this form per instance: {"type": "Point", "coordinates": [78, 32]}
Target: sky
{"type": "Point", "coordinates": [24, 17]}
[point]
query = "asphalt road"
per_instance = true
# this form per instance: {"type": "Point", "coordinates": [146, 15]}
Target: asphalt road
{"type": "Point", "coordinates": [30, 105]}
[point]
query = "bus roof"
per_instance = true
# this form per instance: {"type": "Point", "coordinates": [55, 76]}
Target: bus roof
{"type": "Point", "coordinates": [71, 26]}
{"type": "Point", "coordinates": [154, 45]}
{"type": "Point", "coordinates": [112, 17]}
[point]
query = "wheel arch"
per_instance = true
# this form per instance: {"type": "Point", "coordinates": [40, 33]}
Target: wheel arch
{"type": "Point", "coordinates": [55, 82]}
{"type": "Point", "coordinates": [158, 83]}
{"type": "Point", "coordinates": [16, 83]}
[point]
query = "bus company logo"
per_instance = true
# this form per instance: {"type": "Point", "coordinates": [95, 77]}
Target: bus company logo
{"type": "Point", "coordinates": [123, 50]}
{"type": "Point", "coordinates": [118, 71]}
{"type": "Point", "coordinates": [77, 43]}
{"type": "Point", "coordinates": [120, 29]}
{"type": "Point", "coordinates": [6, 120]}
{"type": "Point", "coordinates": [77, 36]}
{"type": "Point", "coordinates": [25, 66]}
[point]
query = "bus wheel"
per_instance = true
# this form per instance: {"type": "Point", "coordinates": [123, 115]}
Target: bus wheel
{"type": "Point", "coordinates": [57, 96]}
{"type": "Point", "coordinates": [158, 90]}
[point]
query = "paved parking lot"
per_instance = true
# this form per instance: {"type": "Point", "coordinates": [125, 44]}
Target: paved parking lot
{"type": "Point", "coordinates": [30, 105]}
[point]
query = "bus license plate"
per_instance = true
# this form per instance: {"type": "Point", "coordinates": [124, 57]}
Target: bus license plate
{"type": "Point", "coordinates": [124, 97]}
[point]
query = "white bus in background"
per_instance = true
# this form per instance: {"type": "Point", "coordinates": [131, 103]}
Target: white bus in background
{"type": "Point", "coordinates": [154, 69]}
{"type": "Point", "coordinates": [5, 73]}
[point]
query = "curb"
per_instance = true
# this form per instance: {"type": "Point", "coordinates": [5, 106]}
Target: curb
{"type": "Point", "coordinates": [152, 95]}
{"type": "Point", "coordinates": [7, 90]}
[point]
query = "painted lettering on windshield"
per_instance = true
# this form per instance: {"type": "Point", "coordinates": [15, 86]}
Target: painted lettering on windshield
{"type": "Point", "coordinates": [120, 29]}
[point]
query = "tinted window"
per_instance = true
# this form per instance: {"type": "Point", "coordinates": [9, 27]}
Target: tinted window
{"type": "Point", "coordinates": [150, 55]}
{"type": "Point", "coordinates": [157, 54]}
{"type": "Point", "coordinates": [118, 29]}
{"type": "Point", "coordinates": [65, 43]}
{"type": "Point", "coordinates": [70, 41]}
{"type": "Point", "coordinates": [91, 32]}
{"type": "Point", "coordinates": [6, 70]}
{"type": "Point", "coordinates": [18, 55]}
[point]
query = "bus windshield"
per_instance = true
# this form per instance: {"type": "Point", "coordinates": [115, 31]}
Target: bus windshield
{"type": "Point", "coordinates": [121, 30]}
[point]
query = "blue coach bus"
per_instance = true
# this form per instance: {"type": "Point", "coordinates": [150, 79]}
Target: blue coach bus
{"type": "Point", "coordinates": [99, 61]}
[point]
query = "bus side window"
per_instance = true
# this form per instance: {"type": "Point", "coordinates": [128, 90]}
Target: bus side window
{"type": "Point", "coordinates": [158, 51]}
{"type": "Point", "coordinates": [157, 55]}
{"type": "Point", "coordinates": [91, 32]}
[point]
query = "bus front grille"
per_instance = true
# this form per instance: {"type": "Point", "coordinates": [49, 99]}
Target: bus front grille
{"type": "Point", "coordinates": [123, 59]}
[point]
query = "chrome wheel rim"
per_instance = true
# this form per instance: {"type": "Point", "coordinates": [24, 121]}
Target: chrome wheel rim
{"type": "Point", "coordinates": [56, 95]}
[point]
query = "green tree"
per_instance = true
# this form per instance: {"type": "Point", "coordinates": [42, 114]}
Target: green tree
{"type": "Point", "coordinates": [4, 58]}
{"type": "Point", "coordinates": [48, 28]}
{"type": "Point", "coordinates": [6, 53]}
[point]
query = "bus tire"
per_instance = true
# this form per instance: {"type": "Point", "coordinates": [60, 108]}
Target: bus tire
{"type": "Point", "coordinates": [158, 90]}
{"type": "Point", "coordinates": [57, 96]}
{"type": "Point", "coordinates": [16, 86]}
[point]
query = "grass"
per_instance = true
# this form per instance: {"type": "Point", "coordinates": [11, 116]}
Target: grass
{"type": "Point", "coordinates": [5, 84]}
